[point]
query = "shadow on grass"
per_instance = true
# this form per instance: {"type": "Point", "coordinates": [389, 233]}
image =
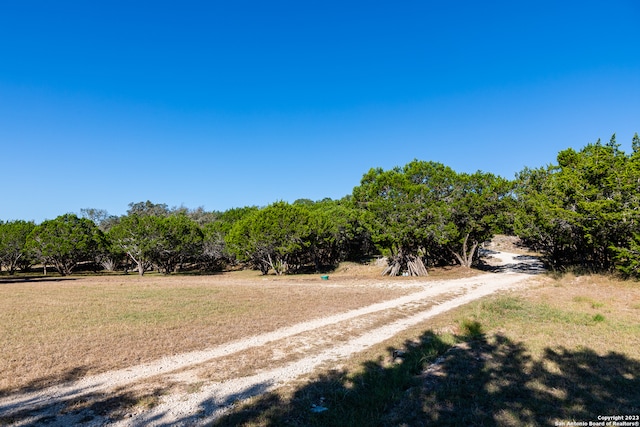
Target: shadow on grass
{"type": "Point", "coordinates": [481, 381]}
{"type": "Point", "coordinates": [484, 381]}
{"type": "Point", "coordinates": [87, 409]}
{"type": "Point", "coordinates": [78, 406]}
{"type": "Point", "coordinates": [22, 412]}
{"type": "Point", "coordinates": [34, 279]}
{"type": "Point", "coordinates": [73, 374]}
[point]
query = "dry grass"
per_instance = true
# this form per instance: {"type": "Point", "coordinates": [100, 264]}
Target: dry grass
{"type": "Point", "coordinates": [57, 330]}
{"type": "Point", "coordinates": [596, 312]}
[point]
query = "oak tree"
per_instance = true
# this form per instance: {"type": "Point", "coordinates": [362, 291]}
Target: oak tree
{"type": "Point", "coordinates": [66, 241]}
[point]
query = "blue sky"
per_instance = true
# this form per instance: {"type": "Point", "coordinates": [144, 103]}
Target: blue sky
{"type": "Point", "coordinates": [229, 104]}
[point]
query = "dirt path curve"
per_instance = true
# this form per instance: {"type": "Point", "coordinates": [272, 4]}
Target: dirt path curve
{"type": "Point", "coordinates": [213, 399]}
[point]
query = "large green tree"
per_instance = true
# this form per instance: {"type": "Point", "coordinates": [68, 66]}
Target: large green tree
{"type": "Point", "coordinates": [163, 242]}
{"type": "Point", "coordinates": [13, 244]}
{"type": "Point", "coordinates": [66, 241]}
{"type": "Point", "coordinates": [179, 241]}
{"type": "Point", "coordinates": [474, 211]}
{"type": "Point", "coordinates": [584, 210]}
{"type": "Point", "coordinates": [215, 254]}
{"type": "Point", "coordinates": [425, 213]}
{"type": "Point", "coordinates": [276, 237]}
{"type": "Point", "coordinates": [338, 233]}
{"type": "Point", "coordinates": [627, 254]}
{"type": "Point", "coordinates": [138, 236]}
{"type": "Point", "coordinates": [405, 209]}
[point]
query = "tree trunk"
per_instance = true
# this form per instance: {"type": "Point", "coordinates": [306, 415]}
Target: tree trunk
{"type": "Point", "coordinates": [60, 266]}
{"type": "Point", "coordinates": [465, 257]}
{"type": "Point", "coordinates": [411, 264]}
{"type": "Point", "coordinates": [108, 263]}
{"type": "Point", "coordinates": [416, 267]}
{"type": "Point", "coordinates": [13, 263]}
{"type": "Point", "coordinates": [139, 264]}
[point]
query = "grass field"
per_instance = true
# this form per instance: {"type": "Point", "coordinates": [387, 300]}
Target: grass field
{"type": "Point", "coordinates": [57, 329]}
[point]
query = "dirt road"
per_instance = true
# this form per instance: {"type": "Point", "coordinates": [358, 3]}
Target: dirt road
{"type": "Point", "coordinates": [204, 397]}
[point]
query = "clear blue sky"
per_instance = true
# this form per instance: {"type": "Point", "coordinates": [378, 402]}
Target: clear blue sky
{"type": "Point", "coordinates": [228, 104]}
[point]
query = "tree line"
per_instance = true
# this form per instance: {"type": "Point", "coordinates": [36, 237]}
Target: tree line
{"type": "Point", "coordinates": [583, 211]}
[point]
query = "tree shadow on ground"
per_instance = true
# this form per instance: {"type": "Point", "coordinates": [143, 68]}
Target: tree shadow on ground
{"type": "Point", "coordinates": [33, 279]}
{"type": "Point", "coordinates": [481, 381]}
{"type": "Point", "coordinates": [40, 383]}
{"type": "Point", "coordinates": [87, 409]}
{"type": "Point", "coordinates": [528, 264]}
{"type": "Point", "coordinates": [484, 381]}
{"type": "Point", "coordinates": [77, 407]}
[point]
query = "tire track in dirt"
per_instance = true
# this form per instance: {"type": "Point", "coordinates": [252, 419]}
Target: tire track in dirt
{"type": "Point", "coordinates": [215, 400]}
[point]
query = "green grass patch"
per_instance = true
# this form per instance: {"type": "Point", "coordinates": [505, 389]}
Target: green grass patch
{"type": "Point", "coordinates": [589, 301]}
{"type": "Point", "coordinates": [471, 328]}
{"type": "Point", "coordinates": [498, 310]}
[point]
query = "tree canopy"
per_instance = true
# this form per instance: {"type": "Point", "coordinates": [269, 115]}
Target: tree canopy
{"type": "Point", "coordinates": [274, 237]}
{"type": "Point", "coordinates": [582, 211]}
{"type": "Point", "coordinates": [425, 213]}
{"type": "Point", "coordinates": [14, 252]}
{"type": "Point", "coordinates": [66, 241]}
